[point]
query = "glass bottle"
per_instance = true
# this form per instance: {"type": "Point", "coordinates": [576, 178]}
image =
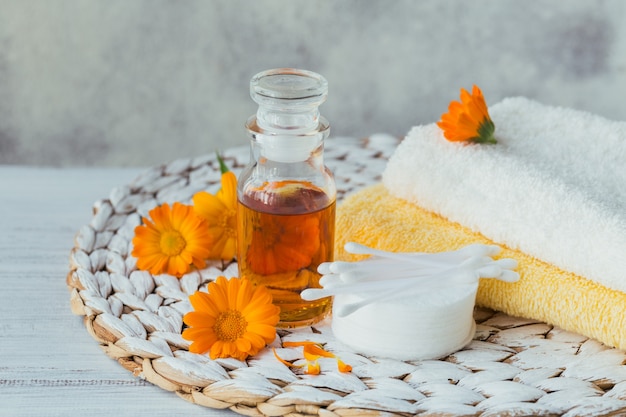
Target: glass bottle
{"type": "Point", "coordinates": [286, 195]}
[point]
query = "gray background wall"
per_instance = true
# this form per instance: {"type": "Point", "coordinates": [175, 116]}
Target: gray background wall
{"type": "Point", "coordinates": [140, 82]}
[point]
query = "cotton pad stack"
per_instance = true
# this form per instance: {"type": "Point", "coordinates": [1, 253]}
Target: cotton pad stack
{"type": "Point", "coordinates": [551, 192]}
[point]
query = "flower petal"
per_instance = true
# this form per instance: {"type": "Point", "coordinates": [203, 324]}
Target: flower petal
{"type": "Point", "coordinates": [207, 205]}
{"type": "Point", "coordinates": [267, 332]}
{"type": "Point", "coordinates": [228, 193]}
{"type": "Point", "coordinates": [199, 319]}
{"type": "Point", "coordinates": [243, 345]}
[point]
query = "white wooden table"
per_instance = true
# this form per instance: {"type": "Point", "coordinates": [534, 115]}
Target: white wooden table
{"type": "Point", "coordinates": [49, 364]}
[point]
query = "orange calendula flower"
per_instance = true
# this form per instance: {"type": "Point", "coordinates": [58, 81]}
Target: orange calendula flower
{"type": "Point", "coordinates": [468, 120]}
{"type": "Point", "coordinates": [171, 240]}
{"type": "Point", "coordinates": [312, 352]}
{"type": "Point", "coordinates": [234, 319]}
{"type": "Point", "coordinates": [220, 213]}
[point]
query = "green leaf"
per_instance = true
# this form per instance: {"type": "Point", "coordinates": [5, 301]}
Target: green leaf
{"type": "Point", "coordinates": [223, 167]}
{"type": "Point", "coordinates": [486, 131]}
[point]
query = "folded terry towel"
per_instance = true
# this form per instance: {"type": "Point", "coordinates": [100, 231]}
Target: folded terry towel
{"type": "Point", "coordinates": [552, 191]}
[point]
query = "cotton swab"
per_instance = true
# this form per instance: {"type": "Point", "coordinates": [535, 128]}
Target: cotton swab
{"type": "Point", "coordinates": [386, 274]}
{"type": "Point", "coordinates": [449, 256]}
{"type": "Point", "coordinates": [451, 275]}
{"type": "Point", "coordinates": [311, 294]}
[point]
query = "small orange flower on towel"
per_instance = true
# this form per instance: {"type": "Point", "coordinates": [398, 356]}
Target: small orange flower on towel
{"type": "Point", "coordinates": [234, 319]}
{"type": "Point", "coordinates": [468, 120]}
{"type": "Point", "coordinates": [220, 213]}
{"type": "Point", "coordinates": [171, 240]}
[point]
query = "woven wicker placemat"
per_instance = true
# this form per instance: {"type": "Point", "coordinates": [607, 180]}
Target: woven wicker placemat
{"type": "Point", "coordinates": [513, 367]}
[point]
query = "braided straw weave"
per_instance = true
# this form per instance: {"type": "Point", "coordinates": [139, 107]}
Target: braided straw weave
{"type": "Point", "coordinates": [513, 367]}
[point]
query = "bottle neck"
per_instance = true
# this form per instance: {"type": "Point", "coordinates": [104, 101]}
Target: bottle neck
{"type": "Point", "coordinates": [292, 121]}
{"type": "Point", "coordinates": [287, 145]}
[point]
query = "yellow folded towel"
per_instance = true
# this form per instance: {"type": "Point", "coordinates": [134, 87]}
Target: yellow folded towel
{"type": "Point", "coordinates": [544, 292]}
